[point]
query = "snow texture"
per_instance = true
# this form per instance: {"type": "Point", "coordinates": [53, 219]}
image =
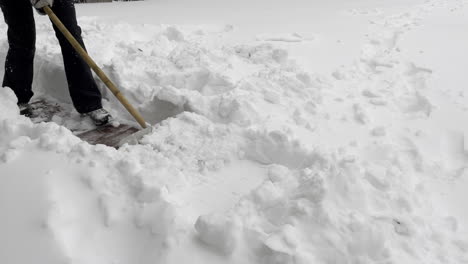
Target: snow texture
{"type": "Point", "coordinates": [253, 157]}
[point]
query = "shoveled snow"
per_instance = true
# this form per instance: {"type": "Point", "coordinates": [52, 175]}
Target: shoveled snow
{"type": "Point", "coordinates": [261, 152]}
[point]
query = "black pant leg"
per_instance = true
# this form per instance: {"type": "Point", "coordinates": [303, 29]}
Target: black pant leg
{"type": "Point", "coordinates": [84, 92]}
{"type": "Point", "coordinates": [19, 62]}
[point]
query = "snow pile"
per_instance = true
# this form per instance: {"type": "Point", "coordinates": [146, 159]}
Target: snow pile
{"type": "Point", "coordinates": [247, 162]}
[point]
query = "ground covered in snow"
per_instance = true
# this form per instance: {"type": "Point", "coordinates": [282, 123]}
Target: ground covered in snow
{"type": "Point", "coordinates": [339, 137]}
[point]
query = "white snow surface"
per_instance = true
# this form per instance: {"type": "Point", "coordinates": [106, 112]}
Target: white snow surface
{"type": "Point", "coordinates": [270, 143]}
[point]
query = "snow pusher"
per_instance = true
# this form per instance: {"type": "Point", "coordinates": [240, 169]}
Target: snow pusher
{"type": "Point", "coordinates": [107, 135]}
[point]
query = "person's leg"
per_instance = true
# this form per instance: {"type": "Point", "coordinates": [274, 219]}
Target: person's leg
{"type": "Point", "coordinates": [84, 92]}
{"type": "Point", "coordinates": [18, 76]}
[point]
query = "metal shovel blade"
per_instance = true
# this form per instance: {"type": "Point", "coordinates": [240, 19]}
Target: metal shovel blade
{"type": "Point", "coordinates": [108, 135]}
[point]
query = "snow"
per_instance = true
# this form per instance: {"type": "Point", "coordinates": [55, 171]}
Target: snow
{"type": "Point", "coordinates": [306, 132]}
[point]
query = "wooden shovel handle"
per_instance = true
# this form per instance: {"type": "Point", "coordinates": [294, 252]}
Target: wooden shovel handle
{"type": "Point", "coordinates": [76, 45]}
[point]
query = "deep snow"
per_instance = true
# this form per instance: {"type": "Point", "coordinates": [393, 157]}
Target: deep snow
{"type": "Point", "coordinates": [330, 136]}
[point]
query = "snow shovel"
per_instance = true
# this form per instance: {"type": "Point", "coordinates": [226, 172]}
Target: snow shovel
{"type": "Point", "coordinates": [107, 135]}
